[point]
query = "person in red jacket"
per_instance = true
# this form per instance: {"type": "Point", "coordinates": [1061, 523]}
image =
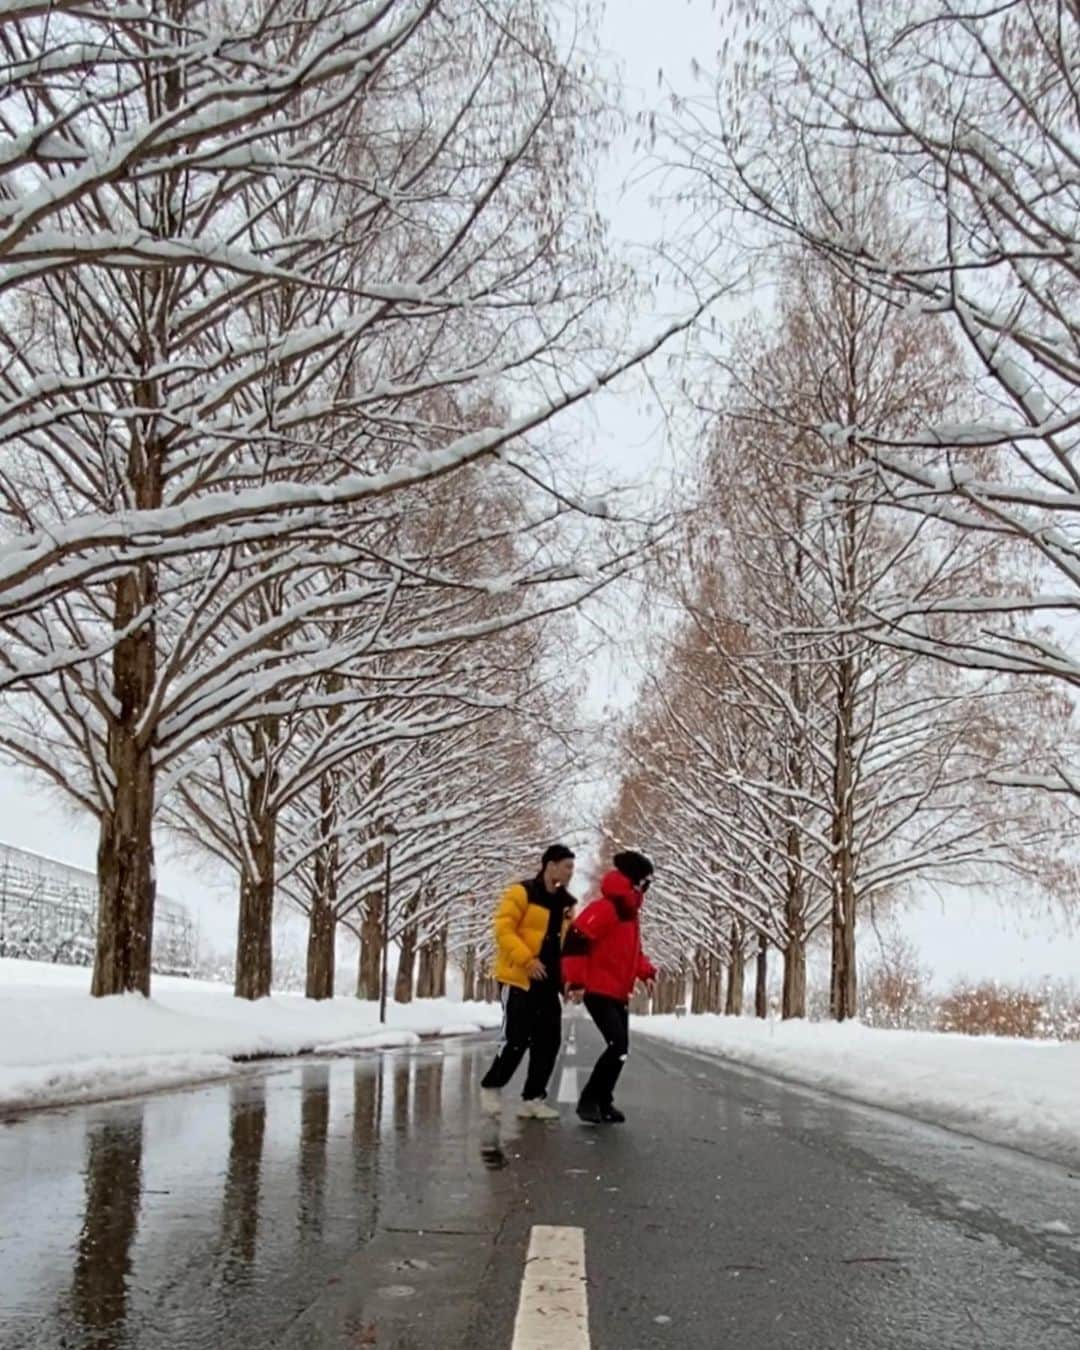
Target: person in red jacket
{"type": "Point", "coordinates": [602, 958]}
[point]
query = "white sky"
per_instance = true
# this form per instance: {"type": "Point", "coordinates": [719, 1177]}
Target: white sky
{"type": "Point", "coordinates": [969, 934]}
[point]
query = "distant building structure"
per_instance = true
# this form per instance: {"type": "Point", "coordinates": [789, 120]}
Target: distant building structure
{"type": "Point", "coordinates": [48, 912]}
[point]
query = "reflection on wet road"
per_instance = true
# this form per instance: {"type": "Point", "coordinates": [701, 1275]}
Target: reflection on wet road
{"type": "Point", "coordinates": [214, 1217]}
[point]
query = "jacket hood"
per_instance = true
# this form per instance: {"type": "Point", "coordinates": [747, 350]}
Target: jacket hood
{"type": "Point", "coordinates": [620, 889]}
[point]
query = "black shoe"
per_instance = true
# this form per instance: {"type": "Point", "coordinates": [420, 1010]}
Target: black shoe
{"type": "Point", "coordinates": [611, 1115]}
{"type": "Point", "coordinates": [590, 1113]}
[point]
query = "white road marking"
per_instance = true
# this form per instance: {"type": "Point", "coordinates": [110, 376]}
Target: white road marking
{"type": "Point", "coordinates": [568, 1088]}
{"type": "Point", "coordinates": [553, 1309]}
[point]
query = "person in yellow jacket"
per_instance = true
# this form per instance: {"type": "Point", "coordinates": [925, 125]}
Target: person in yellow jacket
{"type": "Point", "coordinates": [530, 922]}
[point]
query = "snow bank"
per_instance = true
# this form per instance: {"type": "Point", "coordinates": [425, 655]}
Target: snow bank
{"type": "Point", "coordinates": [59, 1045]}
{"type": "Point", "coordinates": [1025, 1094]}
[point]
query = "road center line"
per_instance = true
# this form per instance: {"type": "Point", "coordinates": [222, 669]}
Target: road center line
{"type": "Point", "coordinates": [568, 1088]}
{"type": "Point", "coordinates": [553, 1308]}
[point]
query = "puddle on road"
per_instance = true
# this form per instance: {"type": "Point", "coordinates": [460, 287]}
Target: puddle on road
{"type": "Point", "coordinates": [212, 1217]}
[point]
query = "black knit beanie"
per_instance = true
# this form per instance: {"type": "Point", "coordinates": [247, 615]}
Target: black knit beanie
{"type": "Point", "coordinates": [634, 866]}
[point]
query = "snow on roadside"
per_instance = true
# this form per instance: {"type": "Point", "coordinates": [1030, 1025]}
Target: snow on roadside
{"type": "Point", "coordinates": [60, 1046]}
{"type": "Point", "coordinates": [1025, 1094]}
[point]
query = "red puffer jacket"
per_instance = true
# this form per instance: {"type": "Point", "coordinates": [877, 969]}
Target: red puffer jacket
{"type": "Point", "coordinates": [603, 952]}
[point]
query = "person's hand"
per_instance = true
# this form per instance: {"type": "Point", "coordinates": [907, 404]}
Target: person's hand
{"type": "Point", "coordinates": [575, 995]}
{"type": "Point", "coordinates": [650, 987]}
{"type": "Point", "coordinates": [535, 969]}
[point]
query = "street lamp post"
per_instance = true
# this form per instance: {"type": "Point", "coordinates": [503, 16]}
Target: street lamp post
{"type": "Point", "coordinates": [390, 838]}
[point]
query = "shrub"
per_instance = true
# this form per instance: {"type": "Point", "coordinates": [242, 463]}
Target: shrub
{"type": "Point", "coordinates": [990, 1009]}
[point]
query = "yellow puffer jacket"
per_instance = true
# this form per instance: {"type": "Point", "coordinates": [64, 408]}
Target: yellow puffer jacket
{"type": "Point", "coordinates": [520, 928]}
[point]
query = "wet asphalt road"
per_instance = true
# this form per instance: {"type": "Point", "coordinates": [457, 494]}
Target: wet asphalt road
{"type": "Point", "coordinates": [363, 1202]}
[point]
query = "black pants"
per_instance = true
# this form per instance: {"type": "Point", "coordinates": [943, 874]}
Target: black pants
{"type": "Point", "coordinates": [532, 1020]}
{"type": "Point", "coordinates": [612, 1019]}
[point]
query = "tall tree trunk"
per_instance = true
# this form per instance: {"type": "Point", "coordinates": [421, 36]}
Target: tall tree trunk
{"type": "Point", "coordinates": [715, 998]}
{"type": "Point", "coordinates": [321, 951]}
{"type": "Point", "coordinates": [468, 981]}
{"type": "Point", "coordinates": [369, 975]}
{"type": "Point", "coordinates": [442, 953]}
{"type": "Point", "coordinates": [323, 920]}
{"type": "Point", "coordinates": [255, 931]}
{"type": "Point", "coordinates": [736, 972]}
{"type": "Point", "coordinates": [425, 972]}
{"type": "Point", "coordinates": [126, 877]}
{"type": "Point", "coordinates": [471, 967]}
{"type": "Point", "coordinates": [761, 978]}
{"type": "Point", "coordinates": [794, 992]}
{"type": "Point", "coordinates": [403, 985]}
{"type": "Point", "coordinates": [672, 993]}
{"type": "Point", "coordinates": [794, 1001]}
{"type": "Point", "coordinates": [125, 858]}
{"type": "Point", "coordinates": [699, 982]}
{"type": "Point", "coordinates": [794, 995]}
{"type": "Point", "coordinates": [255, 926]}
{"type": "Point", "coordinates": [844, 991]}
{"type": "Point", "coordinates": [844, 987]}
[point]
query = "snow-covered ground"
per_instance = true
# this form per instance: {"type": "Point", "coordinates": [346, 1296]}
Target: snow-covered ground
{"type": "Point", "coordinates": [58, 1045]}
{"type": "Point", "coordinates": [1021, 1093]}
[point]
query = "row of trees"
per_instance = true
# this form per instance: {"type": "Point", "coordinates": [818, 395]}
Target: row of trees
{"type": "Point", "coordinates": [288, 293]}
{"type": "Point", "coordinates": [869, 673]}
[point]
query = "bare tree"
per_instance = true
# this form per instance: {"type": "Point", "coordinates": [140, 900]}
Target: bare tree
{"type": "Point", "coordinates": [966, 116]}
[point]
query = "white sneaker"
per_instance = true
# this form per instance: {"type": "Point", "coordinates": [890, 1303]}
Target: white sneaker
{"type": "Point", "coordinates": [491, 1101]}
{"type": "Point", "coordinates": [537, 1110]}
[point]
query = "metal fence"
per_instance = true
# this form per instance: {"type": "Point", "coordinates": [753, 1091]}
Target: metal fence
{"type": "Point", "coordinates": [48, 912]}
